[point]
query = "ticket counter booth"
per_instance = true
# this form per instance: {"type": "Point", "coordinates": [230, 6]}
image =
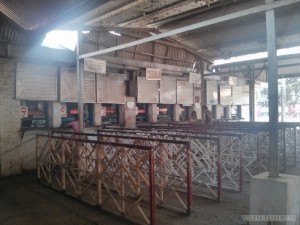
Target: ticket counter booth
{"type": "Point", "coordinates": [36, 114]}
{"type": "Point", "coordinates": [72, 113]}
{"type": "Point", "coordinates": [165, 112]}
{"type": "Point", "coordinates": [110, 114]}
{"type": "Point", "coordinates": [141, 112]}
{"type": "Point", "coordinates": [185, 111]}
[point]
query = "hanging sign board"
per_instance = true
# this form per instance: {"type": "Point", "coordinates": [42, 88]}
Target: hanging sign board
{"type": "Point", "coordinates": [24, 111]}
{"type": "Point", "coordinates": [153, 74]}
{"type": "Point", "coordinates": [195, 78]}
{"type": "Point", "coordinates": [95, 65]}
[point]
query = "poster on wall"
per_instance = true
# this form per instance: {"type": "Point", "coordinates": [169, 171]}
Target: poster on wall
{"type": "Point", "coordinates": [103, 111]}
{"type": "Point", "coordinates": [36, 82]}
{"type": "Point", "coordinates": [24, 111]}
{"type": "Point", "coordinates": [147, 90]}
{"type": "Point", "coordinates": [63, 111]}
{"type": "Point", "coordinates": [185, 92]}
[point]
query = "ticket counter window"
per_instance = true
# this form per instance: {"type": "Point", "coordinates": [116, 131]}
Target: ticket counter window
{"type": "Point", "coordinates": [72, 113]}
{"type": "Point", "coordinates": [88, 114]}
{"type": "Point", "coordinates": [110, 114]}
{"type": "Point", "coordinates": [141, 113]}
{"type": "Point", "coordinates": [37, 116]}
{"type": "Point", "coordinates": [184, 113]}
{"type": "Point", "coordinates": [164, 112]}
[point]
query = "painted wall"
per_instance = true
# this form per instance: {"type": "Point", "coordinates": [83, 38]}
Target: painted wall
{"type": "Point", "coordinates": [10, 138]}
{"type": "Point", "coordinates": [17, 153]}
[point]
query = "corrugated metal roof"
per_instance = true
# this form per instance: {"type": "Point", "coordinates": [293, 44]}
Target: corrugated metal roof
{"type": "Point", "coordinates": [11, 34]}
{"type": "Point", "coordinates": [226, 39]}
{"type": "Point", "coordinates": [34, 14]}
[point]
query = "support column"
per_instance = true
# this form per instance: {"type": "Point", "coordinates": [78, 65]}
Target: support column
{"type": "Point", "coordinates": [97, 114]}
{"type": "Point", "coordinates": [54, 111]}
{"type": "Point", "coordinates": [80, 82]}
{"type": "Point", "coordinates": [127, 113]}
{"type": "Point", "coordinates": [152, 112]}
{"type": "Point", "coordinates": [273, 92]}
{"type": "Point", "coordinates": [271, 194]}
{"type": "Point", "coordinates": [176, 112]}
{"type": "Point", "coordinates": [252, 95]}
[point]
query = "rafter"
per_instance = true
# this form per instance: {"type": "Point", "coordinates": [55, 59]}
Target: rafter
{"type": "Point", "coordinates": [115, 11]}
{"type": "Point", "coordinates": [164, 13]}
{"type": "Point", "coordinates": [246, 12]}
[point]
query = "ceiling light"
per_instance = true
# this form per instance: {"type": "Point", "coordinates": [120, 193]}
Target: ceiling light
{"type": "Point", "coordinates": [85, 31]}
{"type": "Point", "coordinates": [115, 33]}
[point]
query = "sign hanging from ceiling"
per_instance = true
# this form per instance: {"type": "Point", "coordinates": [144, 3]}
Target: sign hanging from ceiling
{"type": "Point", "coordinates": [95, 65]}
{"type": "Point", "coordinates": [195, 78]}
{"type": "Point", "coordinates": [153, 74]}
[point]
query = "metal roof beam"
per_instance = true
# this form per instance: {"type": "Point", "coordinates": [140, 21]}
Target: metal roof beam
{"type": "Point", "coordinates": [167, 12]}
{"type": "Point", "coordinates": [145, 64]}
{"type": "Point", "coordinates": [192, 13]}
{"type": "Point", "coordinates": [231, 16]}
{"type": "Point", "coordinates": [115, 11]}
{"type": "Point", "coordinates": [80, 9]}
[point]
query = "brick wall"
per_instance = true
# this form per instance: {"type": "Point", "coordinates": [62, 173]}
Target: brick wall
{"type": "Point", "coordinates": [16, 153]}
{"type": "Point", "coordinates": [10, 139]}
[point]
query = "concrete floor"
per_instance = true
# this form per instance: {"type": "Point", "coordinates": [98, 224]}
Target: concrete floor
{"type": "Point", "coordinates": [23, 201]}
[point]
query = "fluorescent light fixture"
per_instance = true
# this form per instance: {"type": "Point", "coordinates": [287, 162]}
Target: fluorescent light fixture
{"type": "Point", "coordinates": [60, 39]}
{"type": "Point", "coordinates": [115, 33]}
{"type": "Point", "coordinates": [260, 55]}
{"type": "Point", "coordinates": [85, 31]}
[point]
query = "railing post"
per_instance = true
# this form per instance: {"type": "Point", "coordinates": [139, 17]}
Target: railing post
{"type": "Point", "coordinates": [219, 172]}
{"type": "Point", "coordinates": [38, 158]}
{"type": "Point", "coordinates": [284, 149]}
{"type": "Point", "coordinates": [189, 179]}
{"type": "Point", "coordinates": [295, 146]}
{"type": "Point", "coordinates": [99, 159]}
{"type": "Point", "coordinates": [241, 177]}
{"type": "Point", "coordinates": [152, 188]}
{"type": "Point", "coordinates": [63, 167]}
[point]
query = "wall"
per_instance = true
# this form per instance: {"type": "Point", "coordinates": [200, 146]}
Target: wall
{"type": "Point", "coordinates": [17, 151]}
{"type": "Point", "coordinates": [10, 138]}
